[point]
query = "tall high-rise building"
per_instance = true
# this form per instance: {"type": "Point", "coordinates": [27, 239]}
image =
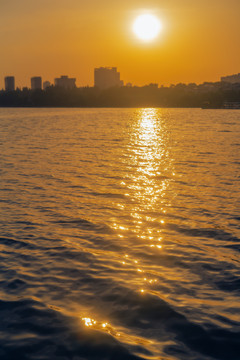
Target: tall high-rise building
{"type": "Point", "coordinates": [65, 82]}
{"type": "Point", "coordinates": [107, 77]}
{"type": "Point", "coordinates": [9, 83]}
{"type": "Point", "coordinates": [36, 83]}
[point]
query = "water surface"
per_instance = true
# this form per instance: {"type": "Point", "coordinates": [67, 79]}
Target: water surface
{"type": "Point", "coordinates": [119, 234]}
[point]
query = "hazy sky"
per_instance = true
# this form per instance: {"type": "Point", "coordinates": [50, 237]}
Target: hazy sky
{"type": "Point", "coordinates": [199, 41]}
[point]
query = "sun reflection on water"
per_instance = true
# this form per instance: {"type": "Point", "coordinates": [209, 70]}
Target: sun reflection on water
{"type": "Point", "coordinates": [145, 188]}
{"type": "Point", "coordinates": [98, 325]}
{"type": "Point", "coordinates": [124, 336]}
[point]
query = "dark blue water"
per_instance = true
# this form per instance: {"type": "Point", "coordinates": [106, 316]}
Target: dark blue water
{"type": "Point", "coordinates": [119, 234]}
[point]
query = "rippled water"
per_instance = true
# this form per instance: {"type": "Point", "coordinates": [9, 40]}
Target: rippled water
{"type": "Point", "coordinates": [119, 234]}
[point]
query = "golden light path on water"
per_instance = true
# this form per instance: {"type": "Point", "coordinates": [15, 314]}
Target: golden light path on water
{"type": "Point", "coordinates": [120, 234]}
{"type": "Point", "coordinates": [147, 152]}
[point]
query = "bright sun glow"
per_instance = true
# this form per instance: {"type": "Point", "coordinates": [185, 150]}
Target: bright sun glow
{"type": "Point", "coordinates": [147, 27]}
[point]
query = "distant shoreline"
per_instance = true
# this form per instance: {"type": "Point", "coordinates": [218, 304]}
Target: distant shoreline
{"type": "Point", "coordinates": [114, 107]}
{"type": "Point", "coordinates": [208, 96]}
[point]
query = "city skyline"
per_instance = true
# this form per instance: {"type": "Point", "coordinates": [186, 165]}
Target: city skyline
{"type": "Point", "coordinates": [198, 42]}
{"type": "Point", "coordinates": [104, 77]}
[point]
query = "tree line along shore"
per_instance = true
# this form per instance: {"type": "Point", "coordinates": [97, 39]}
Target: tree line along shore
{"type": "Point", "coordinates": [206, 95]}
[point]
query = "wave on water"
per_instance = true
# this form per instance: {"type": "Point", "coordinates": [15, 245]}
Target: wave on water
{"type": "Point", "coordinates": [119, 234]}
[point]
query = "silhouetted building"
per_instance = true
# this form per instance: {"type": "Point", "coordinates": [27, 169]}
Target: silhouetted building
{"type": "Point", "coordinates": [36, 83]}
{"type": "Point", "coordinates": [65, 82]}
{"type": "Point", "coordinates": [233, 79]}
{"type": "Point", "coordinates": [106, 77]}
{"type": "Point", "coordinates": [46, 84]}
{"type": "Point", "coordinates": [9, 83]}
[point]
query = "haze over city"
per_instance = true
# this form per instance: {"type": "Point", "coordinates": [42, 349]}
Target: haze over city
{"type": "Point", "coordinates": [198, 41]}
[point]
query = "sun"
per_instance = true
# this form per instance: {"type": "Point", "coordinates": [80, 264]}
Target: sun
{"type": "Point", "coordinates": [147, 27]}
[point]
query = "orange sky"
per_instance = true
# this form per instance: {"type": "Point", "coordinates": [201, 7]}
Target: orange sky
{"type": "Point", "coordinates": [199, 41]}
